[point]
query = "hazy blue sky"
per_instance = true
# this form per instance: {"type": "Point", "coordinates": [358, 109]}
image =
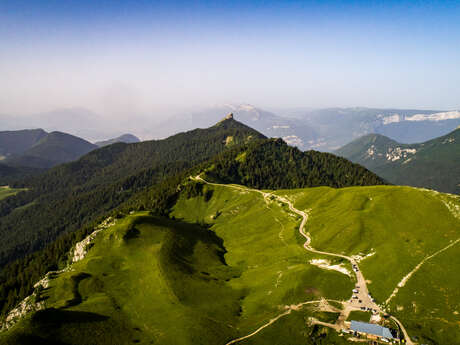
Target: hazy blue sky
{"type": "Point", "coordinates": [144, 56]}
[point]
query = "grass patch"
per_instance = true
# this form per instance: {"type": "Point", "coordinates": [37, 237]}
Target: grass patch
{"type": "Point", "coordinates": [401, 225]}
{"type": "Point", "coordinates": [357, 315]}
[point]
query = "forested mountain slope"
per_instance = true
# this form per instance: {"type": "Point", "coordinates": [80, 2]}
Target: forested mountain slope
{"type": "Point", "coordinates": [9, 174]}
{"type": "Point", "coordinates": [272, 164]}
{"type": "Point", "coordinates": [434, 164]}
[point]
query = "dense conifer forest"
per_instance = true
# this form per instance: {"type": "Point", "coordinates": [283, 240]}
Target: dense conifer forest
{"type": "Point", "coordinates": [272, 164]}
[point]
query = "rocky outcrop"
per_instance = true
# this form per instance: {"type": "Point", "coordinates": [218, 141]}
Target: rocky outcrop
{"type": "Point", "coordinates": [80, 250]}
{"type": "Point", "coordinates": [33, 302]}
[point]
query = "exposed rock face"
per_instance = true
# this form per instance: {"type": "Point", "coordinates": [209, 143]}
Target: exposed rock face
{"type": "Point", "coordinates": [229, 116]}
{"type": "Point", "coordinates": [28, 305]}
{"type": "Point", "coordinates": [80, 250]}
{"type": "Point", "coordinates": [33, 303]}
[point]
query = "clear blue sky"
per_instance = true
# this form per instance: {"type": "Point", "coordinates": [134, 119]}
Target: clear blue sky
{"type": "Point", "coordinates": [143, 56]}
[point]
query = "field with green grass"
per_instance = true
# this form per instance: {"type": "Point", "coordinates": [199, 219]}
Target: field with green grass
{"type": "Point", "coordinates": [220, 270]}
{"type": "Point", "coordinates": [356, 315]}
{"type": "Point", "coordinates": [229, 261]}
{"type": "Point", "coordinates": [398, 227]}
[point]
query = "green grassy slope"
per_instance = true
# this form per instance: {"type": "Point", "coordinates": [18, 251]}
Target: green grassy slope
{"type": "Point", "coordinates": [154, 280]}
{"type": "Point", "coordinates": [170, 282]}
{"type": "Point", "coordinates": [262, 241]}
{"type": "Point", "coordinates": [434, 164]}
{"type": "Point", "coordinates": [430, 301]}
{"type": "Point", "coordinates": [145, 279]}
{"type": "Point", "coordinates": [402, 226]}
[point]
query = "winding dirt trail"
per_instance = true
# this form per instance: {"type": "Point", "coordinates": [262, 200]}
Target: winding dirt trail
{"type": "Point", "coordinates": [359, 299]}
{"type": "Point", "coordinates": [407, 277]}
{"type": "Point", "coordinates": [272, 321]}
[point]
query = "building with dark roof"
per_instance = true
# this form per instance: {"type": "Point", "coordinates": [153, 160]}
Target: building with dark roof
{"type": "Point", "coordinates": [372, 331]}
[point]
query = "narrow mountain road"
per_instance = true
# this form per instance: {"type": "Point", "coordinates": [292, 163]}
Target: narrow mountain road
{"type": "Point", "coordinates": [360, 296]}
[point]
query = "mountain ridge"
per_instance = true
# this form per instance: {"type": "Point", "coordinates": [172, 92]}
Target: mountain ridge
{"type": "Point", "coordinates": [434, 164]}
{"type": "Point", "coordinates": [124, 138]}
{"type": "Point", "coordinates": [52, 149]}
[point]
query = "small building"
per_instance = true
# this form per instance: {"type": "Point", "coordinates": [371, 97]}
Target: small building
{"type": "Point", "coordinates": [372, 331]}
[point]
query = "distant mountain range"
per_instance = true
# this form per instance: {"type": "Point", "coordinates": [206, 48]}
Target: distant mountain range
{"type": "Point", "coordinates": [39, 149]}
{"type": "Point", "coordinates": [433, 164]}
{"type": "Point", "coordinates": [78, 121]}
{"type": "Point", "coordinates": [268, 123]}
{"type": "Point", "coordinates": [325, 129]}
{"type": "Point", "coordinates": [125, 138]}
{"type": "Point", "coordinates": [26, 152]}
{"type": "Point", "coordinates": [336, 127]}
{"type": "Point", "coordinates": [319, 129]}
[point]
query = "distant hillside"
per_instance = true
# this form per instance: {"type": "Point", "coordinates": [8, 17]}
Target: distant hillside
{"type": "Point", "coordinates": [79, 121]}
{"type": "Point", "coordinates": [434, 164]}
{"type": "Point", "coordinates": [16, 142]}
{"type": "Point", "coordinates": [293, 131]}
{"type": "Point", "coordinates": [324, 129]}
{"type": "Point", "coordinates": [125, 138]}
{"type": "Point", "coordinates": [52, 149]}
{"type": "Point", "coordinates": [338, 126]}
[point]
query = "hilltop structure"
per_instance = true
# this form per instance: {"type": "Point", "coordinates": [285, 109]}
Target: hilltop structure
{"type": "Point", "coordinates": [372, 331]}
